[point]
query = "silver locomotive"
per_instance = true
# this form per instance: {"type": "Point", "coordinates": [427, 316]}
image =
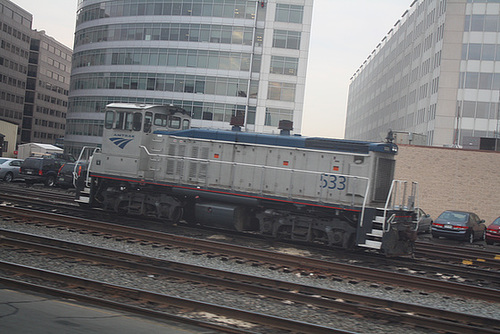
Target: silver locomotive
{"type": "Point", "coordinates": [336, 192]}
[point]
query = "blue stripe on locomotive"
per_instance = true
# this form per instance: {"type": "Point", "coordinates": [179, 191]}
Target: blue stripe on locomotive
{"type": "Point", "coordinates": [316, 143]}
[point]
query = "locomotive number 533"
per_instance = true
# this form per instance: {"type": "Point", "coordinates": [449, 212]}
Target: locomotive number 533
{"type": "Point", "coordinates": [332, 181]}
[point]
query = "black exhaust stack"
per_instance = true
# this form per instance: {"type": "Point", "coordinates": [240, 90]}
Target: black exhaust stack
{"type": "Point", "coordinates": [237, 122]}
{"type": "Point", "coordinates": [285, 127]}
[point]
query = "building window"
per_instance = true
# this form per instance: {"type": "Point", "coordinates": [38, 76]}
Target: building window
{"type": "Point", "coordinates": [289, 13]}
{"type": "Point", "coordinates": [198, 110]}
{"type": "Point", "coordinates": [281, 91]}
{"type": "Point", "coordinates": [234, 61]}
{"type": "Point", "coordinates": [286, 39]}
{"type": "Point", "coordinates": [284, 65]}
{"type": "Point", "coordinates": [162, 82]}
{"type": "Point", "coordinates": [274, 115]}
{"type": "Point", "coordinates": [168, 32]}
{"type": "Point", "coordinates": [229, 9]}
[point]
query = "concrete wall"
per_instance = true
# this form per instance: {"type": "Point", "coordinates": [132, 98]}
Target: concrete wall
{"type": "Point", "coordinates": [452, 179]}
{"type": "Point", "coordinates": [9, 130]}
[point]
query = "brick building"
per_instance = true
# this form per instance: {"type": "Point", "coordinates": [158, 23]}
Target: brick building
{"type": "Point", "coordinates": [452, 179]}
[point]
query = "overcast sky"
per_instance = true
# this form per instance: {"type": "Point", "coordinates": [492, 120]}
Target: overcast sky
{"type": "Point", "coordinates": [344, 33]}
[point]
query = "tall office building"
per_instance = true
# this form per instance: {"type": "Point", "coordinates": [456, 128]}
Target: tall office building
{"type": "Point", "coordinates": [15, 35]}
{"type": "Point", "coordinates": [47, 90]}
{"type": "Point", "coordinates": [215, 58]}
{"type": "Point", "coordinates": [34, 77]}
{"type": "Point", "coordinates": [436, 73]}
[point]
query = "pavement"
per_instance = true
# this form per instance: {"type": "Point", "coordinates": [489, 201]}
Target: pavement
{"type": "Point", "coordinates": [28, 312]}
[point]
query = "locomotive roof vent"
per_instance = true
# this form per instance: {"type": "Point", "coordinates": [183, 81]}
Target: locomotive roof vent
{"type": "Point", "coordinates": [285, 126]}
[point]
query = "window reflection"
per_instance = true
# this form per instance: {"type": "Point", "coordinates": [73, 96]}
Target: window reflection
{"type": "Point", "coordinates": [163, 82]}
{"type": "Point", "coordinates": [198, 110]}
{"type": "Point", "coordinates": [477, 51]}
{"type": "Point", "coordinates": [281, 91]}
{"type": "Point", "coordinates": [286, 39]}
{"type": "Point", "coordinates": [219, 8]}
{"type": "Point", "coordinates": [289, 13]}
{"type": "Point", "coordinates": [169, 32]}
{"type": "Point", "coordinates": [483, 80]}
{"type": "Point", "coordinates": [274, 115]}
{"type": "Point", "coordinates": [482, 23]}
{"type": "Point", "coordinates": [284, 65]}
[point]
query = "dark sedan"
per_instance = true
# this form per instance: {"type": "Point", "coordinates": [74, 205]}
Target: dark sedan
{"type": "Point", "coordinates": [459, 225]}
{"type": "Point", "coordinates": [493, 232]}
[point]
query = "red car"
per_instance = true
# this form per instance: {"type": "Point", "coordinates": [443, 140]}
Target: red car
{"type": "Point", "coordinates": [493, 232]}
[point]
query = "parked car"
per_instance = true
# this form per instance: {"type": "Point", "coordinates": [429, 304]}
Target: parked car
{"type": "Point", "coordinates": [424, 222]}
{"type": "Point", "coordinates": [69, 173]}
{"type": "Point", "coordinates": [9, 169]}
{"type": "Point", "coordinates": [493, 232]}
{"type": "Point", "coordinates": [40, 170]}
{"type": "Point", "coordinates": [459, 225]}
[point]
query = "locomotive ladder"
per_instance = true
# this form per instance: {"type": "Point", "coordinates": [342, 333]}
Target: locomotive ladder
{"type": "Point", "coordinates": [376, 220]}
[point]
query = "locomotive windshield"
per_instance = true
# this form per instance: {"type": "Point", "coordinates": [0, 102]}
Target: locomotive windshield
{"type": "Point", "coordinates": [133, 120]}
{"type": "Point", "coordinates": [123, 120]}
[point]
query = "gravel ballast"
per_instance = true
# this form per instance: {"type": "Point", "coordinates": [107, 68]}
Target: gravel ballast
{"type": "Point", "coordinates": [212, 295]}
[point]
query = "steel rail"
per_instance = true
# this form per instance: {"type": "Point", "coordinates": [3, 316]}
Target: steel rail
{"type": "Point", "coordinates": [469, 256]}
{"type": "Point", "coordinates": [257, 255]}
{"type": "Point", "coordinates": [142, 296]}
{"type": "Point", "coordinates": [411, 314]}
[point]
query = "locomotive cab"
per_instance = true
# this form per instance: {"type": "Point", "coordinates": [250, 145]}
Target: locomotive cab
{"type": "Point", "coordinates": [127, 128]}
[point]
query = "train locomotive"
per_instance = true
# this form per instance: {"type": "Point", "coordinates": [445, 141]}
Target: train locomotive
{"type": "Point", "coordinates": [340, 193]}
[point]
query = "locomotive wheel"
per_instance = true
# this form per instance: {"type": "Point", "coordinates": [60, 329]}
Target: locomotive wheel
{"type": "Point", "coordinates": [177, 214]}
{"type": "Point", "coordinates": [284, 233]}
{"type": "Point", "coordinates": [121, 208]}
{"type": "Point", "coordinates": [188, 214]}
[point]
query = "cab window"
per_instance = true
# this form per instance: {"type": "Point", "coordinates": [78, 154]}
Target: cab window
{"type": "Point", "coordinates": [128, 121]}
{"type": "Point", "coordinates": [174, 122]}
{"type": "Point", "coordinates": [109, 119]}
{"type": "Point", "coordinates": [137, 122]}
{"type": "Point", "coordinates": [120, 120]}
{"type": "Point", "coordinates": [160, 120]}
{"type": "Point", "coordinates": [148, 120]}
{"type": "Point", "coordinates": [185, 124]}
{"type": "Point", "coordinates": [124, 120]}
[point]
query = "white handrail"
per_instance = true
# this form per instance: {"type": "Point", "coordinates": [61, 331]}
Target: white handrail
{"type": "Point", "coordinates": [87, 173]}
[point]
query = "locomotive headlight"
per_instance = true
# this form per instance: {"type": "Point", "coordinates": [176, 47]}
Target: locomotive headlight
{"type": "Point", "coordinates": [395, 149]}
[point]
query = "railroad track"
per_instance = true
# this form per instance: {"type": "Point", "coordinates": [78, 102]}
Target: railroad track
{"type": "Point", "coordinates": [135, 300]}
{"type": "Point", "coordinates": [296, 293]}
{"type": "Point", "coordinates": [258, 257]}
{"type": "Point", "coordinates": [466, 255]}
{"type": "Point", "coordinates": [19, 192]}
{"type": "Point", "coordinates": [462, 264]}
{"type": "Point", "coordinates": [475, 256]}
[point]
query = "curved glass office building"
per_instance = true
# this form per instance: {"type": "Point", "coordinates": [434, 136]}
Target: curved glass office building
{"type": "Point", "coordinates": [215, 58]}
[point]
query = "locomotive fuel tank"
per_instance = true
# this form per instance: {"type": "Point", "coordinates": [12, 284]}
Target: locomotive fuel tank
{"type": "Point", "coordinates": [226, 216]}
